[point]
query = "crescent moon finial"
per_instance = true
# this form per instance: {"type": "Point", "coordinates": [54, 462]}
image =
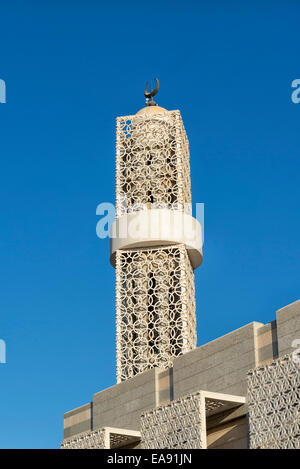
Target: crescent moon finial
{"type": "Point", "coordinates": [152, 93]}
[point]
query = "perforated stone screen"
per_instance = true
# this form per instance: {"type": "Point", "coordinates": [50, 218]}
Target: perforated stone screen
{"type": "Point", "coordinates": [155, 308]}
{"type": "Point", "coordinates": [97, 439]}
{"type": "Point", "coordinates": [152, 162]}
{"type": "Point", "coordinates": [177, 425]}
{"type": "Point", "coordinates": [103, 438]}
{"type": "Point", "coordinates": [274, 405]}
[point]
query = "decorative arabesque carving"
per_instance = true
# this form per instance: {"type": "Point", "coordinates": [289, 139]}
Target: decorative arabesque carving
{"type": "Point", "coordinates": [103, 438]}
{"type": "Point", "coordinates": [179, 424]}
{"type": "Point", "coordinates": [155, 308]}
{"type": "Point", "coordinates": [274, 405]}
{"type": "Point", "coordinates": [96, 439]}
{"type": "Point", "coordinates": [155, 286]}
{"type": "Point", "coordinates": [152, 164]}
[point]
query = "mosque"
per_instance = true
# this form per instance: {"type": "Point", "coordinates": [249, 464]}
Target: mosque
{"type": "Point", "coordinates": [238, 391]}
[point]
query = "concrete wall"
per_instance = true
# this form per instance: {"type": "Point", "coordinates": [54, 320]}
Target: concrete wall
{"type": "Point", "coordinates": [288, 327]}
{"type": "Point", "coordinates": [78, 420]}
{"type": "Point", "coordinates": [121, 405]}
{"type": "Point", "coordinates": [267, 343]}
{"type": "Point", "coordinates": [164, 386]}
{"type": "Point", "coordinates": [218, 366]}
{"type": "Point", "coordinates": [230, 435]}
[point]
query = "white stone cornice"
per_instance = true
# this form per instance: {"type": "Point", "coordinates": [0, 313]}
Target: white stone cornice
{"type": "Point", "coordinates": [157, 227]}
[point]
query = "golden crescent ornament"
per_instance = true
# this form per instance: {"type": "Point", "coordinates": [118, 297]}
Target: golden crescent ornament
{"type": "Point", "coordinates": [149, 95]}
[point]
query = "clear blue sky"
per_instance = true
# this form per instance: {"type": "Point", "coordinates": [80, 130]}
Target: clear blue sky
{"type": "Point", "coordinates": [71, 67]}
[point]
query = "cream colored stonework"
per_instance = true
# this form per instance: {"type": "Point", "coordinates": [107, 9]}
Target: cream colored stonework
{"type": "Point", "coordinates": [152, 162]}
{"type": "Point", "coordinates": [181, 423]}
{"type": "Point", "coordinates": [103, 438]}
{"type": "Point", "coordinates": [155, 292]}
{"type": "Point", "coordinates": [156, 319]}
{"type": "Point", "coordinates": [274, 405]}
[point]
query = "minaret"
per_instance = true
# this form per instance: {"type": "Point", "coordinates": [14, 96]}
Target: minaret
{"type": "Point", "coordinates": [156, 243]}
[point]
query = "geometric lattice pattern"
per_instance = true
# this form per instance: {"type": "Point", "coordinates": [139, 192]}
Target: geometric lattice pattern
{"type": "Point", "coordinates": [155, 308]}
{"type": "Point", "coordinates": [177, 425]}
{"type": "Point", "coordinates": [155, 287]}
{"type": "Point", "coordinates": [274, 405]}
{"type": "Point", "coordinates": [88, 440]}
{"type": "Point", "coordinates": [103, 438]}
{"type": "Point", "coordinates": [152, 163]}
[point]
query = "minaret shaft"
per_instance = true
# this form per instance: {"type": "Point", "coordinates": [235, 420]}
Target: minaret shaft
{"type": "Point", "coordinates": [155, 297]}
